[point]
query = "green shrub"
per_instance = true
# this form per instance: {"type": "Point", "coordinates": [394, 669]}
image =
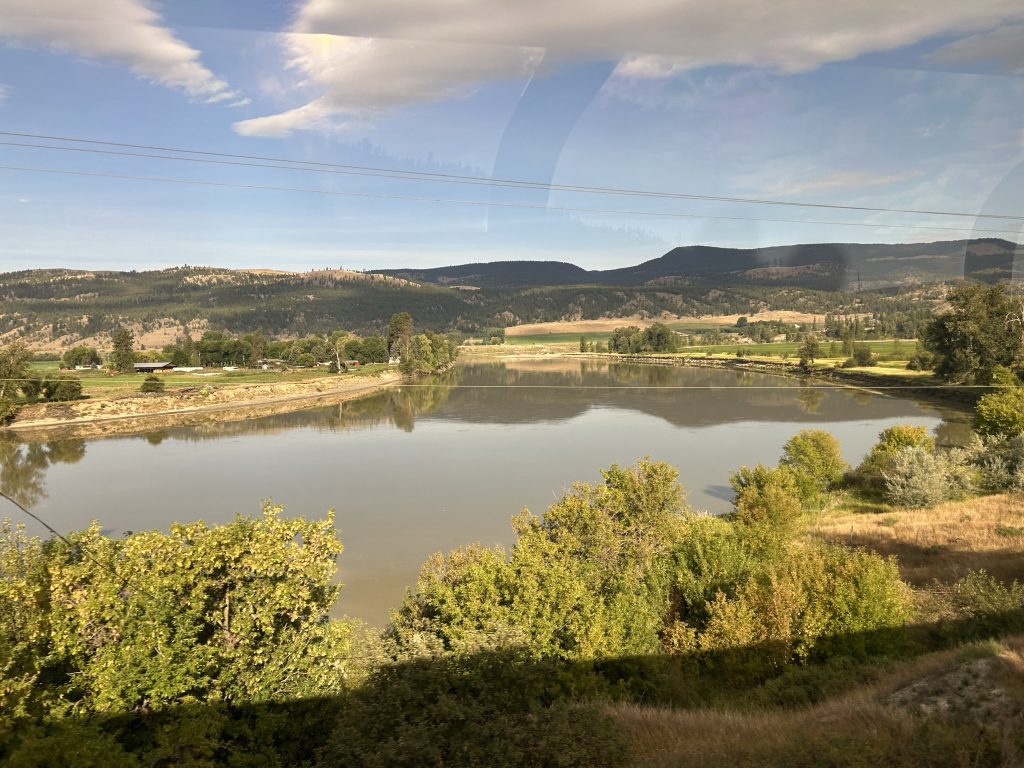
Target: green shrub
{"type": "Point", "coordinates": [862, 357]}
{"type": "Point", "coordinates": [890, 442]}
{"type": "Point", "coordinates": [767, 504]}
{"type": "Point", "coordinates": [61, 388]}
{"type": "Point", "coordinates": [816, 461]}
{"type": "Point", "coordinates": [823, 599]}
{"type": "Point", "coordinates": [7, 410]}
{"type": "Point", "coordinates": [1000, 414]}
{"type": "Point", "coordinates": [153, 383]}
{"type": "Point", "coordinates": [501, 710]}
{"type": "Point", "coordinates": [917, 477]}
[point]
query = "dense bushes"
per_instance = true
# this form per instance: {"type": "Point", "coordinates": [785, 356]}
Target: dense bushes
{"type": "Point", "coordinates": [630, 339]}
{"type": "Point", "coordinates": [1001, 413]}
{"type": "Point", "coordinates": [498, 709]}
{"type": "Point", "coordinates": [890, 442]}
{"type": "Point", "coordinates": [917, 477]}
{"type": "Point", "coordinates": [816, 461]}
{"type": "Point", "coordinates": [237, 612]}
{"type": "Point", "coordinates": [153, 383]}
{"type": "Point", "coordinates": [625, 569]}
{"type": "Point", "coordinates": [59, 388]}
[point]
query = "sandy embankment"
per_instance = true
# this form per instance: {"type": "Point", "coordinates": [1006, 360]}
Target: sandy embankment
{"type": "Point", "coordinates": [138, 412]}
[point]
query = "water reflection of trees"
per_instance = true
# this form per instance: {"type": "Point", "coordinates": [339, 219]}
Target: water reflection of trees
{"type": "Point", "coordinates": [23, 466]}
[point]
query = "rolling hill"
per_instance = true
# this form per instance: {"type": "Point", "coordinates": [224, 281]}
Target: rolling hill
{"type": "Point", "coordinates": [53, 308]}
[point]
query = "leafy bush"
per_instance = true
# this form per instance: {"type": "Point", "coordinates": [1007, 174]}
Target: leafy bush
{"type": "Point", "coordinates": [7, 410]}
{"type": "Point", "coordinates": [890, 442]}
{"type": "Point", "coordinates": [239, 613]}
{"type": "Point", "coordinates": [1000, 414]}
{"type": "Point", "coordinates": [862, 357]}
{"type": "Point", "coordinates": [918, 478]}
{"type": "Point", "coordinates": [591, 579]}
{"type": "Point", "coordinates": [500, 709]}
{"type": "Point", "coordinates": [767, 504]}
{"type": "Point", "coordinates": [61, 388]}
{"type": "Point", "coordinates": [849, 601]}
{"type": "Point", "coordinates": [816, 461]}
{"type": "Point", "coordinates": [153, 383]}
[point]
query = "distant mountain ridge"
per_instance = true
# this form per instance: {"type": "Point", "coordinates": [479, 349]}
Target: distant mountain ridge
{"type": "Point", "coordinates": [54, 308]}
{"type": "Point", "coordinates": [831, 266]}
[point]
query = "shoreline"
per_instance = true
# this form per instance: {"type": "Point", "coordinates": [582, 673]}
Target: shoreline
{"type": "Point", "coordinates": [893, 385]}
{"type": "Point", "coordinates": [856, 379]}
{"type": "Point", "coordinates": [192, 410]}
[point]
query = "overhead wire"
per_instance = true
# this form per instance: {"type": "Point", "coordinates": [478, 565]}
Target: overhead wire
{"type": "Point", "coordinates": [485, 203]}
{"type": "Point", "coordinates": [328, 167]}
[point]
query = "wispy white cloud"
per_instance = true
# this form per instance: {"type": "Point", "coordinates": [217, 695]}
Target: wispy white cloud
{"type": "Point", "coordinates": [839, 180]}
{"type": "Point", "coordinates": [127, 32]}
{"type": "Point", "coordinates": [4, 91]}
{"type": "Point", "coordinates": [395, 52]}
{"type": "Point", "coordinates": [358, 78]}
{"type": "Point", "coordinates": [1003, 46]}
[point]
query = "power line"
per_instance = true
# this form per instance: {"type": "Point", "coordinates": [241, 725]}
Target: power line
{"type": "Point", "coordinates": [488, 204]}
{"type": "Point", "coordinates": [327, 167]}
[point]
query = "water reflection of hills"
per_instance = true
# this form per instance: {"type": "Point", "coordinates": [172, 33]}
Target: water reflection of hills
{"type": "Point", "coordinates": [523, 392]}
{"type": "Point", "coordinates": [532, 391]}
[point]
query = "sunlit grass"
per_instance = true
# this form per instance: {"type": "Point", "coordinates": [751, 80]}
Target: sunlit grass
{"type": "Point", "coordinates": [101, 382]}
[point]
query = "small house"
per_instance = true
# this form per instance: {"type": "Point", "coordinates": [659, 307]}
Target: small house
{"type": "Point", "coordinates": [153, 367]}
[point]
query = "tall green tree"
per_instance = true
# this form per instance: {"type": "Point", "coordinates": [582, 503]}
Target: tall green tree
{"type": "Point", "coordinates": [80, 355]}
{"type": "Point", "coordinates": [14, 370]}
{"type": "Point", "coordinates": [122, 358]}
{"type": "Point", "coordinates": [809, 350]}
{"type": "Point", "coordinates": [975, 335]}
{"type": "Point", "coordinates": [399, 333]}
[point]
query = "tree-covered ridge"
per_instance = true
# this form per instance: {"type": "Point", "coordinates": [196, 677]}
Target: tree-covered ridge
{"type": "Point", "coordinates": [69, 305]}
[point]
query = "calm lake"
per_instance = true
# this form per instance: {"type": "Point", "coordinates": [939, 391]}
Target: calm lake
{"type": "Point", "coordinates": [428, 467]}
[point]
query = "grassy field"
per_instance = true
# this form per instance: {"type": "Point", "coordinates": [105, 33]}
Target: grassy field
{"type": "Point", "coordinates": [901, 348]}
{"type": "Point", "coordinates": [105, 383]}
{"type": "Point", "coordinates": [898, 349]}
{"type": "Point", "coordinates": [555, 338]}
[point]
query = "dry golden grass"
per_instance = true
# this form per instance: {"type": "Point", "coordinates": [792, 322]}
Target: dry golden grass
{"type": "Point", "coordinates": [661, 737]}
{"type": "Point", "coordinates": [941, 543]}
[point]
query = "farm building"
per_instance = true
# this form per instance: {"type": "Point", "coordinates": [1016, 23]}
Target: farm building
{"type": "Point", "coordinates": [153, 367]}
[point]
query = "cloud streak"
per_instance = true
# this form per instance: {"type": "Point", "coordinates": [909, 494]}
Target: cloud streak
{"type": "Point", "coordinates": [1003, 46]}
{"type": "Point", "coordinates": [846, 180]}
{"type": "Point", "coordinates": [126, 32]}
{"type": "Point", "coordinates": [361, 58]}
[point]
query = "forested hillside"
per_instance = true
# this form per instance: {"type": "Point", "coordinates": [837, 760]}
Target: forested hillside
{"type": "Point", "coordinates": [56, 308]}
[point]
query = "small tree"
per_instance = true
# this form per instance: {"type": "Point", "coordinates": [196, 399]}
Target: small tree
{"type": "Point", "coordinates": [1000, 414]}
{"type": "Point", "coordinates": [809, 351]}
{"type": "Point", "coordinates": [61, 388]}
{"type": "Point", "coordinates": [816, 461]}
{"type": "Point", "coordinates": [14, 363]}
{"type": "Point", "coordinates": [80, 355]}
{"type": "Point", "coordinates": [122, 358]}
{"type": "Point", "coordinates": [768, 506]}
{"type": "Point", "coordinates": [583, 343]}
{"type": "Point", "coordinates": [153, 383]}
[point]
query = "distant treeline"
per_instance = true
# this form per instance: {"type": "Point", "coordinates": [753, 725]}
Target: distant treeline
{"type": "Point", "coordinates": [62, 303]}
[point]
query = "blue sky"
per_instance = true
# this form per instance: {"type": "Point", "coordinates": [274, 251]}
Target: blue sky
{"type": "Point", "coordinates": [849, 103]}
